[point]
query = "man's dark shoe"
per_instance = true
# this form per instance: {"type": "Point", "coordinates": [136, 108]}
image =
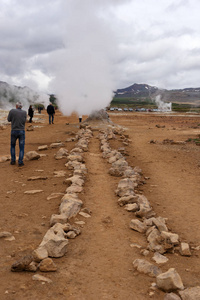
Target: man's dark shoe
{"type": "Point", "coordinates": [13, 162]}
{"type": "Point", "coordinates": [21, 165]}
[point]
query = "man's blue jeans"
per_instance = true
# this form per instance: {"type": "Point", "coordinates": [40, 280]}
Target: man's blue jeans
{"type": "Point", "coordinates": [17, 134]}
{"type": "Point", "coordinates": [51, 118]}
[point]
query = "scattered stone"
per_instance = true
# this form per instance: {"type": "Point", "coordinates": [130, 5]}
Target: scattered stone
{"type": "Point", "coordinates": [185, 249]}
{"type": "Point", "coordinates": [59, 173]}
{"type": "Point", "coordinates": [145, 267]}
{"type": "Point", "coordinates": [4, 158]}
{"type": "Point", "coordinates": [43, 147]}
{"type": "Point", "coordinates": [47, 265]}
{"type": "Point", "coordinates": [22, 264]}
{"type": "Point", "coordinates": [169, 281]}
{"type": "Point", "coordinates": [55, 196]}
{"type": "Point", "coordinates": [5, 234]}
{"type": "Point", "coordinates": [133, 245]}
{"type": "Point", "coordinates": [32, 192]}
{"type": "Point", "coordinates": [33, 178]}
{"type": "Point", "coordinates": [41, 278]}
{"type": "Point", "coordinates": [136, 225]}
{"type": "Point", "coordinates": [79, 222]}
{"type": "Point", "coordinates": [57, 145]}
{"type": "Point", "coordinates": [192, 293]}
{"type": "Point", "coordinates": [62, 153]}
{"type": "Point", "coordinates": [85, 215]}
{"type": "Point", "coordinates": [32, 155]}
{"type": "Point", "coordinates": [159, 258]}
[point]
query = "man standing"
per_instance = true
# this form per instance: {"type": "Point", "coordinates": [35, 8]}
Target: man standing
{"type": "Point", "coordinates": [51, 112]}
{"type": "Point", "coordinates": [17, 117]}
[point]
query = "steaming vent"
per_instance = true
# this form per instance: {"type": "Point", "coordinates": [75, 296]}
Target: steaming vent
{"type": "Point", "coordinates": [98, 116]}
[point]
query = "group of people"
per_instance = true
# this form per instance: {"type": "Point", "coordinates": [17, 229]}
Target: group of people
{"type": "Point", "coordinates": [17, 116]}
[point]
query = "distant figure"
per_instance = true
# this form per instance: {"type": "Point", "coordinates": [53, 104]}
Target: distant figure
{"type": "Point", "coordinates": [39, 109]}
{"type": "Point", "coordinates": [17, 117]}
{"type": "Point", "coordinates": [51, 112]}
{"type": "Point", "coordinates": [80, 119]}
{"type": "Point", "coordinates": [30, 113]}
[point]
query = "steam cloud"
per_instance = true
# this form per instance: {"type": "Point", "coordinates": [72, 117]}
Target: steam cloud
{"type": "Point", "coordinates": [84, 70]}
{"type": "Point", "coordinates": [9, 95]}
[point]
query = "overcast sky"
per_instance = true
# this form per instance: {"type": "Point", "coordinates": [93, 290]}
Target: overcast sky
{"type": "Point", "coordinates": [122, 42]}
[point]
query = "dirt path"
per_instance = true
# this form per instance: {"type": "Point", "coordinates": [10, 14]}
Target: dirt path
{"type": "Point", "coordinates": [98, 264]}
{"type": "Point", "coordinates": [104, 253]}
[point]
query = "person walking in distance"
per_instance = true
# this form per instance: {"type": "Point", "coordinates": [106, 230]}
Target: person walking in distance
{"type": "Point", "coordinates": [51, 112]}
{"type": "Point", "coordinates": [17, 117]}
{"type": "Point", "coordinates": [30, 113]}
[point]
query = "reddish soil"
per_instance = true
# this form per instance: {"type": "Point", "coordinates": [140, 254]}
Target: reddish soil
{"type": "Point", "coordinates": [98, 263]}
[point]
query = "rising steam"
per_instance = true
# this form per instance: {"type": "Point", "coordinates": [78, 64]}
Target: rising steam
{"type": "Point", "coordinates": [84, 79]}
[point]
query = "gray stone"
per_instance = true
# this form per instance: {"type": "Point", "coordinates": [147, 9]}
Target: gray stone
{"type": "Point", "coordinates": [70, 206]}
{"type": "Point", "coordinates": [55, 241]}
{"type": "Point", "coordinates": [59, 173]}
{"type": "Point", "coordinates": [138, 226]}
{"type": "Point", "coordinates": [145, 208]}
{"type": "Point", "coordinates": [32, 155]}
{"type": "Point", "coordinates": [169, 281]}
{"type": "Point", "coordinates": [145, 267]}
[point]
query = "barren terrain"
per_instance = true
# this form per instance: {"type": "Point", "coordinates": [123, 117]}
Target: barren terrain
{"type": "Point", "coordinates": [98, 263]}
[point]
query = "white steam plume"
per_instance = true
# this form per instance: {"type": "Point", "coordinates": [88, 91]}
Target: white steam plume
{"type": "Point", "coordinates": [83, 70]}
{"type": "Point", "coordinates": [10, 94]}
{"type": "Point", "coordinates": [163, 106]}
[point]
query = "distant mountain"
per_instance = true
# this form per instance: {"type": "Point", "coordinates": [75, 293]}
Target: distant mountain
{"type": "Point", "coordinates": [10, 94]}
{"type": "Point", "coordinates": [141, 91]}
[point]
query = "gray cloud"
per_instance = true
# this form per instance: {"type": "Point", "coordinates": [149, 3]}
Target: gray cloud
{"type": "Point", "coordinates": [98, 46]}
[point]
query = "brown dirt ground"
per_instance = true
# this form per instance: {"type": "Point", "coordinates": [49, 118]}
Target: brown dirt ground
{"type": "Point", "coordinates": [98, 263]}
